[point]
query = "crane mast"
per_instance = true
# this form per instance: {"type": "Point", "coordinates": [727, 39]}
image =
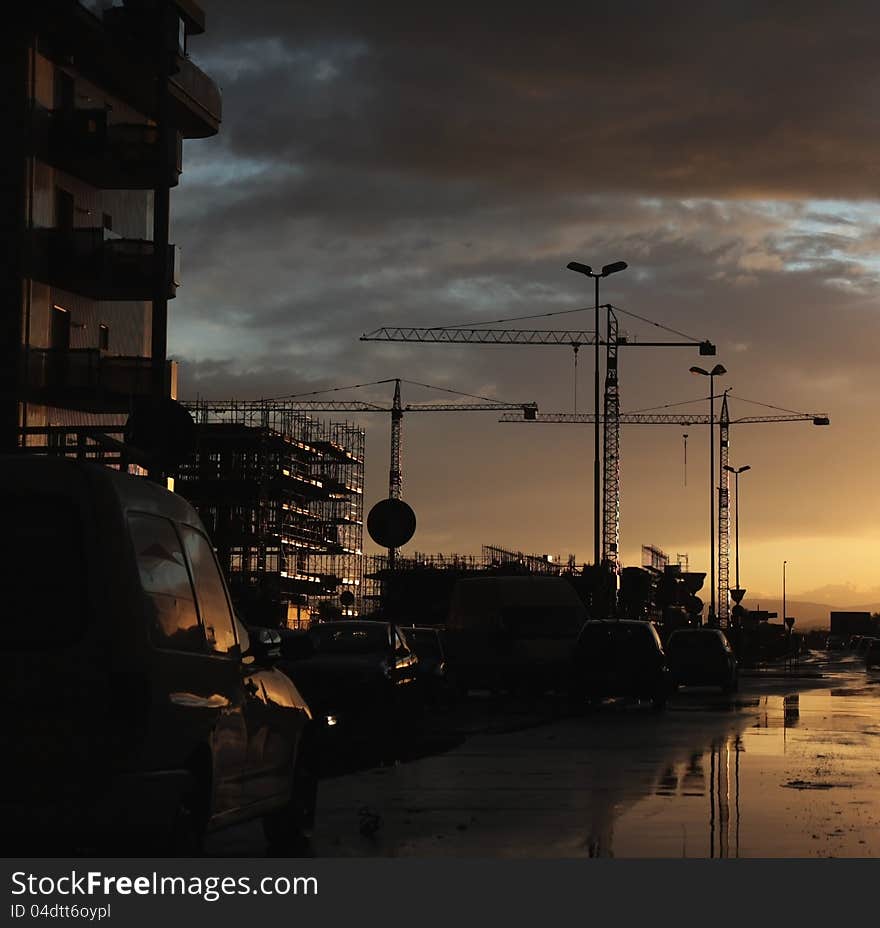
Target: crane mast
{"type": "Point", "coordinates": [723, 598]}
{"type": "Point", "coordinates": [611, 456]}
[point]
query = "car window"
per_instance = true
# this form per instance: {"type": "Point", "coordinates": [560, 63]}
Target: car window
{"type": "Point", "coordinates": [696, 641]}
{"type": "Point", "coordinates": [637, 640]}
{"type": "Point", "coordinates": [350, 639]}
{"type": "Point", "coordinates": [424, 643]}
{"type": "Point", "coordinates": [43, 572]}
{"type": "Point", "coordinates": [400, 646]}
{"type": "Point", "coordinates": [210, 591]}
{"type": "Point", "coordinates": [174, 621]}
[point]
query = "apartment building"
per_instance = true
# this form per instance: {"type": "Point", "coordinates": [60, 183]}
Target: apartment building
{"type": "Point", "coordinates": [100, 95]}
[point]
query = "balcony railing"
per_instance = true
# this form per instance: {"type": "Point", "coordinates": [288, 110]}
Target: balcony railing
{"type": "Point", "coordinates": [193, 90]}
{"type": "Point", "coordinates": [87, 378]}
{"type": "Point", "coordinates": [112, 156]}
{"type": "Point", "coordinates": [101, 264]}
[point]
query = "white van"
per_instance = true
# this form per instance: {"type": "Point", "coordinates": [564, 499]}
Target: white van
{"type": "Point", "coordinates": [513, 632]}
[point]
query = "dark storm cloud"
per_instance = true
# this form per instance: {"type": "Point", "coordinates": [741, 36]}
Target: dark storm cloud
{"type": "Point", "coordinates": [688, 98]}
{"type": "Point", "coordinates": [400, 164]}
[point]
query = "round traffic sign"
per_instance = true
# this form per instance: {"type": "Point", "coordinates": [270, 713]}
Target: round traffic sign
{"type": "Point", "coordinates": [391, 523]}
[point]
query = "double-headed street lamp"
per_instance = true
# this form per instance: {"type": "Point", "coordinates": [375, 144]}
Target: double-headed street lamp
{"type": "Point", "coordinates": [605, 272]}
{"type": "Point", "coordinates": [716, 371]}
{"type": "Point", "coordinates": [736, 471]}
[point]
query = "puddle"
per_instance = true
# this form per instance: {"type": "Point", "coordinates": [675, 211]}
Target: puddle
{"type": "Point", "coordinates": [799, 780]}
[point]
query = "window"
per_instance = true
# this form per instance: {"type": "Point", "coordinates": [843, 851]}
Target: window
{"type": "Point", "coordinates": [64, 91]}
{"type": "Point", "coordinates": [103, 337]}
{"type": "Point", "coordinates": [166, 583]}
{"type": "Point", "coordinates": [210, 591]}
{"type": "Point", "coordinates": [59, 329]}
{"type": "Point", "coordinates": [64, 210]}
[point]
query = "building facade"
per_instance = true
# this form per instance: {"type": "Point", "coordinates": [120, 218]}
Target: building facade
{"type": "Point", "coordinates": [100, 95]}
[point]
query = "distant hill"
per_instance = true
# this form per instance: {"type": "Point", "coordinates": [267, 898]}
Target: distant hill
{"type": "Point", "coordinates": [807, 614]}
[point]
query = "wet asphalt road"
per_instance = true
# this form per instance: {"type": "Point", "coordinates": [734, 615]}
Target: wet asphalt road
{"type": "Point", "coordinates": [787, 767]}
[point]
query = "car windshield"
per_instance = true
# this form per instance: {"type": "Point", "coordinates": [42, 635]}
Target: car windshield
{"type": "Point", "coordinates": [607, 642]}
{"type": "Point", "coordinates": [696, 641]}
{"type": "Point", "coordinates": [542, 621]}
{"type": "Point", "coordinates": [350, 639]}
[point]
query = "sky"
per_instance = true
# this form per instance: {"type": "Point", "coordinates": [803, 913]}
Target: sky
{"type": "Point", "coordinates": [385, 164]}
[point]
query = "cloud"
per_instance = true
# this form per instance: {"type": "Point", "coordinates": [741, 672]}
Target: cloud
{"type": "Point", "coordinates": [426, 166]}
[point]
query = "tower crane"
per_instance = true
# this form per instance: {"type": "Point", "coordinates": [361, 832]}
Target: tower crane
{"type": "Point", "coordinates": [397, 409]}
{"type": "Point", "coordinates": [574, 339]}
{"type": "Point", "coordinates": [648, 417]}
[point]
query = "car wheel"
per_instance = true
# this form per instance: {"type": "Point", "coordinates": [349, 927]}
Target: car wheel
{"type": "Point", "coordinates": [289, 828]}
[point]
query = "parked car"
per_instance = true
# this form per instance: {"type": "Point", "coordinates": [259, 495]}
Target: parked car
{"type": "Point", "coordinates": [620, 658]}
{"type": "Point", "coordinates": [359, 677]}
{"type": "Point", "coordinates": [433, 671]}
{"type": "Point", "coordinates": [854, 642]}
{"type": "Point", "coordinates": [864, 644]}
{"type": "Point", "coordinates": [872, 655]}
{"type": "Point", "coordinates": [135, 706]}
{"type": "Point", "coordinates": [834, 643]}
{"type": "Point", "coordinates": [513, 632]}
{"type": "Point", "coordinates": [702, 657]}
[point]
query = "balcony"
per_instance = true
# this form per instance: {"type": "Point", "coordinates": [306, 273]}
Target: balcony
{"type": "Point", "coordinates": [101, 264]}
{"type": "Point", "coordinates": [112, 156]}
{"type": "Point", "coordinates": [194, 103]}
{"type": "Point", "coordinates": [194, 99]}
{"type": "Point", "coordinates": [87, 379]}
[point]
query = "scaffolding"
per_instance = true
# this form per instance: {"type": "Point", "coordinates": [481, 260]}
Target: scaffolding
{"type": "Point", "coordinates": [418, 587]}
{"type": "Point", "coordinates": [282, 495]}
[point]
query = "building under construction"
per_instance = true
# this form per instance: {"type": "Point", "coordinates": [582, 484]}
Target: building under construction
{"type": "Point", "coordinates": [418, 588]}
{"type": "Point", "coordinates": [281, 494]}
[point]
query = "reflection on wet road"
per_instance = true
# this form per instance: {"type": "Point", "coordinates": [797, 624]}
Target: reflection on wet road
{"type": "Point", "coordinates": [799, 780]}
{"type": "Point", "coordinates": [785, 768]}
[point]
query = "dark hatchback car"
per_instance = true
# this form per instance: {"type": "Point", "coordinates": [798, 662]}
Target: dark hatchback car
{"type": "Point", "coordinates": [136, 712]}
{"type": "Point", "coordinates": [434, 675]}
{"type": "Point", "coordinates": [702, 657]}
{"type": "Point", "coordinates": [620, 658]}
{"type": "Point", "coordinates": [360, 679]}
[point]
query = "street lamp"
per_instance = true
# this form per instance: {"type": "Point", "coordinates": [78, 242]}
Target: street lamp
{"type": "Point", "coordinates": [607, 270]}
{"type": "Point", "coordinates": [736, 471]}
{"type": "Point", "coordinates": [783, 591]}
{"type": "Point", "coordinates": [716, 371]}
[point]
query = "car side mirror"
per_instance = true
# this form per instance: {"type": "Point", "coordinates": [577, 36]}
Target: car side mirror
{"type": "Point", "coordinates": [265, 645]}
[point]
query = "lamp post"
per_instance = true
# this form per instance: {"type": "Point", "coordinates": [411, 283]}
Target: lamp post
{"type": "Point", "coordinates": [736, 471]}
{"type": "Point", "coordinates": [716, 371]}
{"type": "Point", "coordinates": [783, 591]}
{"type": "Point", "coordinates": [588, 272]}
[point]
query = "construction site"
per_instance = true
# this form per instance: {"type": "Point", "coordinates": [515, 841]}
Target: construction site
{"type": "Point", "coordinates": [282, 495]}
